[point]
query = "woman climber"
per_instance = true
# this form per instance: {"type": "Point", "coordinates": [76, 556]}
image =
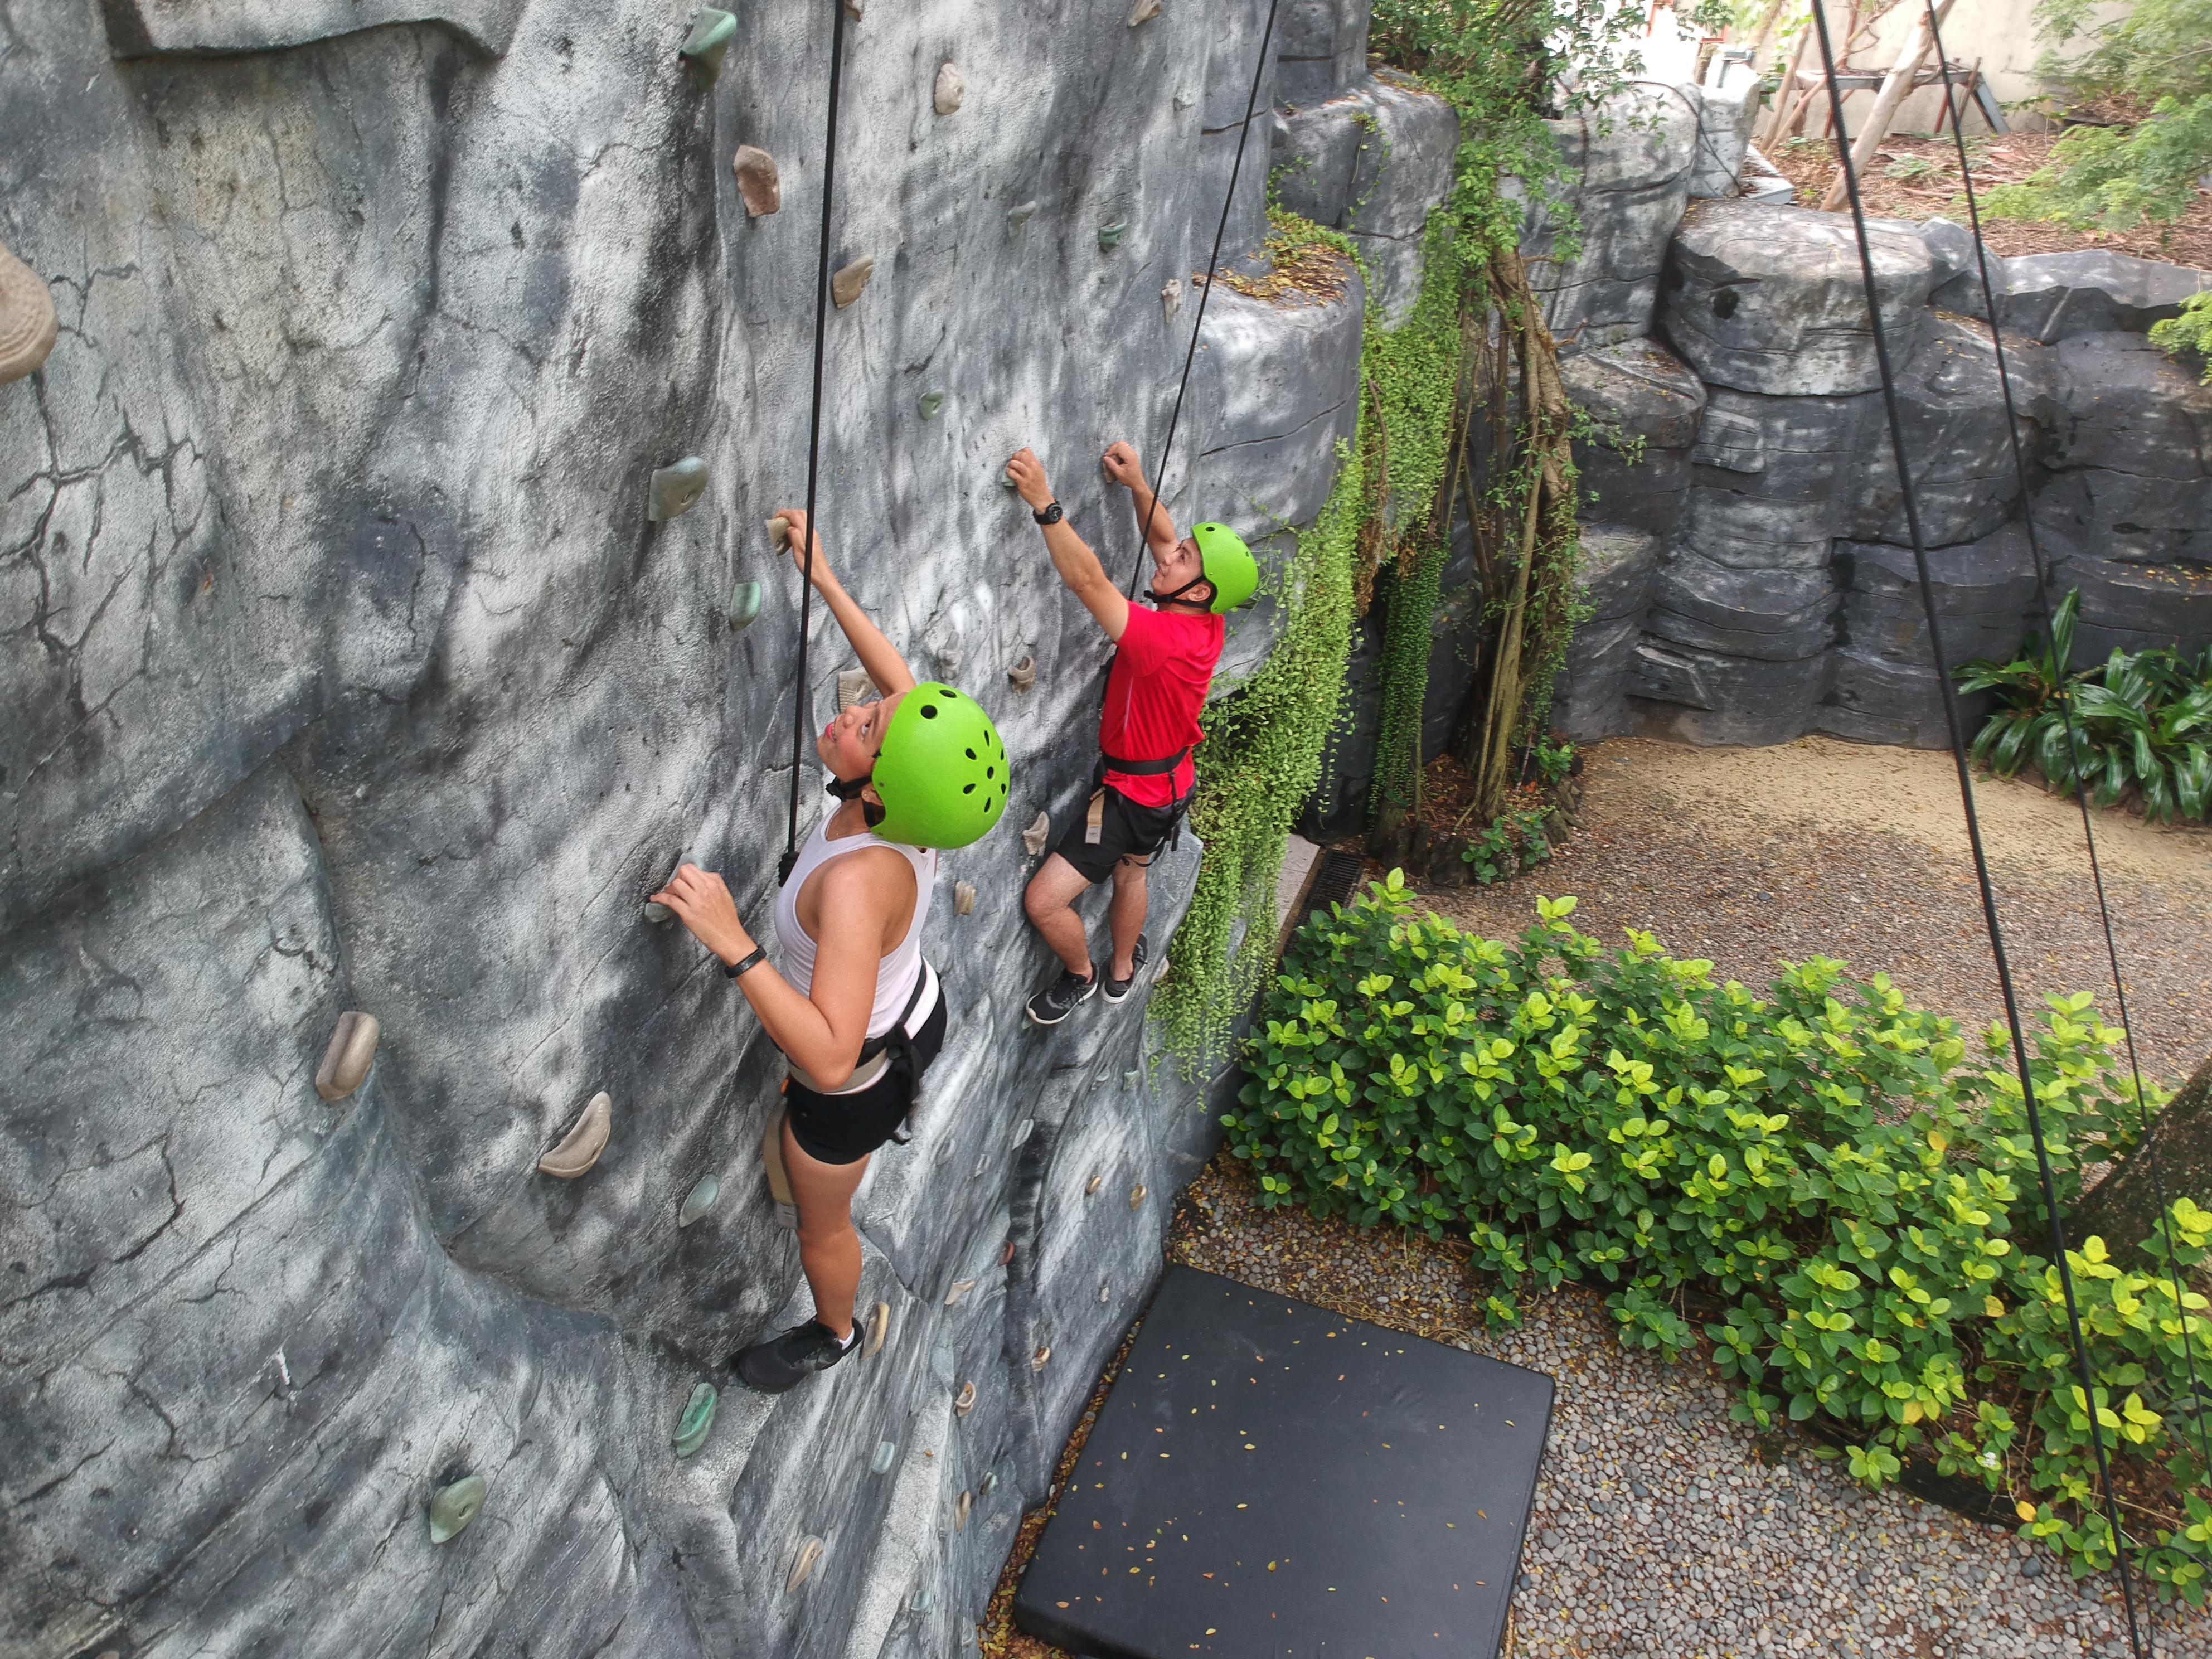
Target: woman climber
{"type": "Point", "coordinates": [1163, 667]}
{"type": "Point", "coordinates": [856, 1011]}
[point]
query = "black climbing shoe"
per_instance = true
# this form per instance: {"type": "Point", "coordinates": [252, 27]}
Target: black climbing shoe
{"type": "Point", "coordinates": [784, 1362]}
{"type": "Point", "coordinates": [1062, 996]}
{"type": "Point", "coordinates": [1118, 989]}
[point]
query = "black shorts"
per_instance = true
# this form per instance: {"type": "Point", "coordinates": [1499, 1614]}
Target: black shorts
{"type": "Point", "coordinates": [1125, 830]}
{"type": "Point", "coordinates": [846, 1128]}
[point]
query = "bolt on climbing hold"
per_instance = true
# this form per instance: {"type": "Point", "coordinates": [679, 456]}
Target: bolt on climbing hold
{"type": "Point", "coordinates": [845, 284]}
{"type": "Point", "coordinates": [886, 1455]}
{"type": "Point", "coordinates": [1091, 1186]}
{"type": "Point", "coordinates": [1172, 298]}
{"type": "Point", "coordinates": [1105, 1293]}
{"type": "Point", "coordinates": [581, 1147]}
{"type": "Point", "coordinates": [699, 1199]}
{"type": "Point", "coordinates": [697, 1421]}
{"type": "Point", "coordinates": [1006, 1254]}
{"type": "Point", "coordinates": [853, 9]}
{"type": "Point", "coordinates": [1143, 12]}
{"type": "Point", "coordinates": [982, 1164]}
{"type": "Point", "coordinates": [964, 1402]}
{"type": "Point", "coordinates": [1023, 1130]}
{"type": "Point", "coordinates": [852, 684]}
{"type": "Point", "coordinates": [455, 1506]}
{"type": "Point", "coordinates": [712, 31]}
{"type": "Point", "coordinates": [676, 489]}
{"type": "Point", "coordinates": [919, 1603]}
{"type": "Point", "coordinates": [949, 89]}
{"type": "Point", "coordinates": [1109, 236]}
{"type": "Point", "coordinates": [346, 1060]}
{"type": "Point", "coordinates": [964, 898]}
{"type": "Point", "coordinates": [965, 1501]}
{"type": "Point", "coordinates": [1040, 1359]}
{"type": "Point", "coordinates": [1034, 837]}
{"type": "Point", "coordinates": [29, 327]}
{"type": "Point", "coordinates": [879, 1327]}
{"type": "Point", "coordinates": [779, 532]}
{"type": "Point", "coordinates": [802, 1565]}
{"type": "Point", "coordinates": [959, 1288]}
{"type": "Point", "coordinates": [760, 186]}
{"type": "Point", "coordinates": [1020, 214]}
{"type": "Point", "coordinates": [988, 1484]}
{"type": "Point", "coordinates": [744, 605]}
{"type": "Point", "coordinates": [1022, 675]}
{"type": "Point", "coordinates": [1136, 1196]}
{"type": "Point", "coordinates": [928, 404]}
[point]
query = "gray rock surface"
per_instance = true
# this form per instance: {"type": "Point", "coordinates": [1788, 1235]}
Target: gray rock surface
{"type": "Point", "coordinates": [1644, 407]}
{"type": "Point", "coordinates": [1767, 477]}
{"type": "Point", "coordinates": [2132, 453]}
{"type": "Point", "coordinates": [1771, 299]}
{"type": "Point", "coordinates": [1776, 616]}
{"type": "Point", "coordinates": [1685, 695]}
{"type": "Point", "coordinates": [2128, 605]}
{"type": "Point", "coordinates": [1322, 48]}
{"type": "Point", "coordinates": [139, 28]}
{"type": "Point", "coordinates": [1725, 116]}
{"type": "Point", "coordinates": [1589, 699]}
{"type": "Point", "coordinates": [2055, 296]}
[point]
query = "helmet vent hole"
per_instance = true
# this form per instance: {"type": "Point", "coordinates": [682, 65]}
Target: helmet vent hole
{"type": "Point", "coordinates": [972, 755]}
{"type": "Point", "coordinates": [968, 789]}
{"type": "Point", "coordinates": [927, 712]}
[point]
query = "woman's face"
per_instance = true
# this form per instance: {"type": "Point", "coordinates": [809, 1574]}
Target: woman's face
{"type": "Point", "coordinates": [848, 745]}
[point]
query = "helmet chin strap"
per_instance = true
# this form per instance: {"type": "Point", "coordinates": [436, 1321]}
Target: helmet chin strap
{"type": "Point", "coordinates": [849, 789]}
{"type": "Point", "coordinates": [1176, 596]}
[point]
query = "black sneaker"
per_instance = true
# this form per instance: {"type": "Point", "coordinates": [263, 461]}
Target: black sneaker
{"type": "Point", "coordinates": [1062, 996]}
{"type": "Point", "coordinates": [1118, 989]}
{"type": "Point", "coordinates": [784, 1362]}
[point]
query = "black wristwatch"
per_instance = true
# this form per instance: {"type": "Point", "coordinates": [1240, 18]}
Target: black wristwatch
{"type": "Point", "coordinates": [743, 965]}
{"type": "Point", "coordinates": [1052, 514]}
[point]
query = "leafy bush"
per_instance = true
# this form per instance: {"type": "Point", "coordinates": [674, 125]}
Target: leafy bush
{"type": "Point", "coordinates": [1834, 1189]}
{"type": "Point", "coordinates": [2189, 334]}
{"type": "Point", "coordinates": [1512, 841]}
{"type": "Point", "coordinates": [2143, 721]}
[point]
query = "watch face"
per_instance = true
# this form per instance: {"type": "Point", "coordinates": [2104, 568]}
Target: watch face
{"type": "Point", "coordinates": [1051, 514]}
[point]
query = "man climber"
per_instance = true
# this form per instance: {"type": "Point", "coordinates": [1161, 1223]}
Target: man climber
{"type": "Point", "coordinates": [856, 1011]}
{"type": "Point", "coordinates": [1163, 667]}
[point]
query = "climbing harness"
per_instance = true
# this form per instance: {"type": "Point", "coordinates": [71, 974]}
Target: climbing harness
{"type": "Point", "coordinates": [1960, 764]}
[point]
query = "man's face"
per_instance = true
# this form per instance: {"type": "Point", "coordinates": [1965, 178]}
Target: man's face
{"type": "Point", "coordinates": [848, 745]}
{"type": "Point", "coordinates": [1181, 566]}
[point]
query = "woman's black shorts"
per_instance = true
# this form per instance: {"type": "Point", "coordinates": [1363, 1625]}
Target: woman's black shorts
{"type": "Point", "coordinates": [846, 1128]}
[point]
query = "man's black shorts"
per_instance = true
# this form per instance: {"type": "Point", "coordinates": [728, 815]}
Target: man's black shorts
{"type": "Point", "coordinates": [1125, 829]}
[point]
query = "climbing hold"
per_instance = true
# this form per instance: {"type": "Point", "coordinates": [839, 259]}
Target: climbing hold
{"type": "Point", "coordinates": [964, 1402]}
{"type": "Point", "coordinates": [853, 9]}
{"type": "Point", "coordinates": [879, 1326]}
{"type": "Point", "coordinates": [1021, 214]}
{"type": "Point", "coordinates": [676, 489]}
{"type": "Point", "coordinates": [581, 1147]}
{"type": "Point", "coordinates": [919, 1603]}
{"type": "Point", "coordinates": [1040, 1359]}
{"type": "Point", "coordinates": [1109, 236]}
{"type": "Point", "coordinates": [1034, 837]}
{"type": "Point", "coordinates": [1136, 1196]}
{"type": "Point", "coordinates": [1105, 1293]}
{"type": "Point", "coordinates": [802, 1565]}
{"type": "Point", "coordinates": [1007, 481]}
{"type": "Point", "coordinates": [949, 89]}
{"type": "Point", "coordinates": [852, 684]}
{"type": "Point", "coordinates": [845, 285]}
{"type": "Point", "coordinates": [1022, 675]}
{"type": "Point", "coordinates": [699, 1199]}
{"type": "Point", "coordinates": [346, 1060]}
{"type": "Point", "coordinates": [928, 404]}
{"type": "Point", "coordinates": [1172, 298]}
{"type": "Point", "coordinates": [964, 898]}
{"type": "Point", "coordinates": [981, 1164]}
{"type": "Point", "coordinates": [886, 1455]}
{"type": "Point", "coordinates": [1023, 1129]}
{"type": "Point", "coordinates": [744, 605]}
{"type": "Point", "coordinates": [655, 913]}
{"type": "Point", "coordinates": [28, 326]}
{"type": "Point", "coordinates": [711, 31]}
{"type": "Point", "coordinates": [779, 532]}
{"type": "Point", "coordinates": [960, 1288]}
{"type": "Point", "coordinates": [779, 1181]}
{"type": "Point", "coordinates": [759, 186]}
{"type": "Point", "coordinates": [960, 1508]}
{"type": "Point", "coordinates": [697, 1421]}
{"type": "Point", "coordinates": [1091, 1186]}
{"type": "Point", "coordinates": [455, 1506]}
{"type": "Point", "coordinates": [1143, 12]}
{"type": "Point", "coordinates": [988, 1484]}
{"type": "Point", "coordinates": [1006, 1253]}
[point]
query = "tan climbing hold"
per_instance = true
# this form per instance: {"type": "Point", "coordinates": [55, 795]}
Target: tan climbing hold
{"type": "Point", "coordinates": [581, 1147]}
{"type": "Point", "coordinates": [1091, 1186]}
{"type": "Point", "coordinates": [949, 89]}
{"type": "Point", "coordinates": [846, 285]}
{"type": "Point", "coordinates": [964, 1402]}
{"type": "Point", "coordinates": [346, 1060]}
{"type": "Point", "coordinates": [1172, 298]}
{"type": "Point", "coordinates": [1136, 1196]}
{"type": "Point", "coordinates": [852, 684]}
{"type": "Point", "coordinates": [759, 185]}
{"type": "Point", "coordinates": [1143, 12]}
{"type": "Point", "coordinates": [1022, 675]}
{"type": "Point", "coordinates": [960, 1508]}
{"type": "Point", "coordinates": [802, 1565]}
{"type": "Point", "coordinates": [964, 898]}
{"type": "Point", "coordinates": [1040, 1359]}
{"type": "Point", "coordinates": [1034, 837]}
{"type": "Point", "coordinates": [960, 1288]}
{"type": "Point", "coordinates": [879, 1326]}
{"type": "Point", "coordinates": [779, 532]}
{"type": "Point", "coordinates": [779, 1181]}
{"type": "Point", "coordinates": [853, 9]}
{"type": "Point", "coordinates": [28, 326]}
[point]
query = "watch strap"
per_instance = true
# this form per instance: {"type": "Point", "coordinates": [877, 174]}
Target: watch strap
{"type": "Point", "coordinates": [1050, 515]}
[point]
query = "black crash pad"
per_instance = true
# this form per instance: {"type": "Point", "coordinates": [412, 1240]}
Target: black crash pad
{"type": "Point", "coordinates": [1269, 1478]}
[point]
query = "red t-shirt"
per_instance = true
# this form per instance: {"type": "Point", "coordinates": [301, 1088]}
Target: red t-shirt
{"type": "Point", "coordinates": [1154, 692]}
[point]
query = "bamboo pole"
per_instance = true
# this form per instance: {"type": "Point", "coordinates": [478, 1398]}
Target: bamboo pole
{"type": "Point", "coordinates": [1894, 87]}
{"type": "Point", "coordinates": [1787, 92]}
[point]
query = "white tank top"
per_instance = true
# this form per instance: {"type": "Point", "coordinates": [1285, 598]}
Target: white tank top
{"type": "Point", "coordinates": [896, 973]}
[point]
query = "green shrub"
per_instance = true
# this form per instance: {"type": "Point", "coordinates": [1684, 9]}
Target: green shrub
{"type": "Point", "coordinates": [1834, 1189]}
{"type": "Point", "coordinates": [2189, 334]}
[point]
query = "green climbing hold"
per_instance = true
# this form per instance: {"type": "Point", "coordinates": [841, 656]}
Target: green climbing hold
{"type": "Point", "coordinates": [1021, 214]}
{"type": "Point", "coordinates": [1109, 236]}
{"type": "Point", "coordinates": [455, 1506]}
{"type": "Point", "coordinates": [697, 1421]}
{"type": "Point", "coordinates": [1007, 481]}
{"type": "Point", "coordinates": [676, 489]}
{"type": "Point", "coordinates": [930, 403]}
{"type": "Point", "coordinates": [712, 31]}
{"type": "Point", "coordinates": [886, 1455]}
{"type": "Point", "coordinates": [699, 1199]}
{"type": "Point", "coordinates": [744, 605]}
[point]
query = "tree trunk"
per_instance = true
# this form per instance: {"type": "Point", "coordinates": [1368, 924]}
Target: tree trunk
{"type": "Point", "coordinates": [1894, 88]}
{"type": "Point", "coordinates": [2122, 1209]}
{"type": "Point", "coordinates": [1788, 99]}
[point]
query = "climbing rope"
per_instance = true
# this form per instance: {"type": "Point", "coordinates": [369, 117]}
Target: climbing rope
{"type": "Point", "coordinates": [1198, 321]}
{"type": "Point", "coordinates": [814, 436]}
{"type": "Point", "coordinates": [1965, 771]}
{"type": "Point", "coordinates": [2047, 611]}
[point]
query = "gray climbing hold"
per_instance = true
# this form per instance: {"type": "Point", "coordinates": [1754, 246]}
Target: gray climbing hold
{"type": "Point", "coordinates": [982, 1164]}
{"type": "Point", "coordinates": [961, 1506]}
{"type": "Point", "coordinates": [964, 1402]}
{"type": "Point", "coordinates": [949, 89]}
{"type": "Point", "coordinates": [1022, 675]}
{"type": "Point", "coordinates": [759, 185]}
{"type": "Point", "coordinates": [581, 1147]}
{"type": "Point", "coordinates": [697, 1421]}
{"type": "Point", "coordinates": [845, 284]}
{"type": "Point", "coordinates": [712, 31]}
{"type": "Point", "coordinates": [919, 1603]}
{"type": "Point", "coordinates": [960, 1287]}
{"type": "Point", "coordinates": [1105, 1293]}
{"type": "Point", "coordinates": [1023, 1130]}
{"type": "Point", "coordinates": [1172, 298]}
{"type": "Point", "coordinates": [988, 1484]}
{"type": "Point", "coordinates": [1091, 1186]}
{"type": "Point", "coordinates": [1143, 12]}
{"type": "Point", "coordinates": [744, 605]}
{"type": "Point", "coordinates": [455, 1506]}
{"type": "Point", "coordinates": [29, 327]}
{"type": "Point", "coordinates": [699, 1199]}
{"type": "Point", "coordinates": [346, 1060]}
{"type": "Point", "coordinates": [928, 404]}
{"type": "Point", "coordinates": [1136, 1196]}
{"type": "Point", "coordinates": [1021, 214]}
{"type": "Point", "coordinates": [879, 1329]}
{"type": "Point", "coordinates": [676, 489]}
{"type": "Point", "coordinates": [1040, 1359]}
{"type": "Point", "coordinates": [803, 1564]}
{"type": "Point", "coordinates": [964, 898]}
{"type": "Point", "coordinates": [886, 1455]}
{"type": "Point", "coordinates": [1007, 481]}
{"type": "Point", "coordinates": [852, 684]}
{"type": "Point", "coordinates": [1034, 837]}
{"type": "Point", "coordinates": [655, 913]}
{"type": "Point", "coordinates": [1109, 236]}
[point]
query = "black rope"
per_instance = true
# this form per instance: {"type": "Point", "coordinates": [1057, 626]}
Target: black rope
{"type": "Point", "coordinates": [1198, 322]}
{"type": "Point", "coordinates": [1974, 823]}
{"type": "Point", "coordinates": [2048, 612]}
{"type": "Point", "coordinates": [814, 437]}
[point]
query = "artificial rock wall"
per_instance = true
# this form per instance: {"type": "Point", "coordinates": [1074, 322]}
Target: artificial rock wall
{"type": "Point", "coordinates": [347, 672]}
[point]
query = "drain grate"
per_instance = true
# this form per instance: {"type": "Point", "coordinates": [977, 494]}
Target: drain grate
{"type": "Point", "coordinates": [1335, 879]}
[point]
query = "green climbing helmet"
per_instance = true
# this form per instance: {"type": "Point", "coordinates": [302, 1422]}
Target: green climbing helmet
{"type": "Point", "coordinates": [1228, 564]}
{"type": "Point", "coordinates": [942, 771]}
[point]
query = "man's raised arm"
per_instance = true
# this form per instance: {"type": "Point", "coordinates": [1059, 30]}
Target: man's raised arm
{"type": "Point", "coordinates": [1072, 557]}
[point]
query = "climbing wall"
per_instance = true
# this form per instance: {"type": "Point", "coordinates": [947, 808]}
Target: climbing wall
{"type": "Point", "coordinates": [359, 662]}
